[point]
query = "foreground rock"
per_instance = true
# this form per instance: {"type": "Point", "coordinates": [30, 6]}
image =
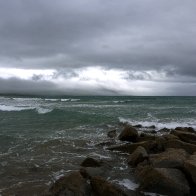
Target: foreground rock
{"type": "Point", "coordinates": [174, 143]}
{"type": "Point", "coordinates": [150, 146]}
{"type": "Point", "coordinates": [128, 134]}
{"type": "Point", "coordinates": [163, 164]}
{"type": "Point", "coordinates": [90, 162]}
{"type": "Point", "coordinates": [171, 158]}
{"type": "Point", "coordinates": [139, 155]}
{"type": "Point", "coordinates": [185, 136]}
{"type": "Point", "coordinates": [190, 167]}
{"type": "Point", "coordinates": [163, 181]}
{"type": "Point", "coordinates": [185, 129]}
{"type": "Point", "coordinates": [71, 185]}
{"type": "Point", "coordinates": [103, 188]}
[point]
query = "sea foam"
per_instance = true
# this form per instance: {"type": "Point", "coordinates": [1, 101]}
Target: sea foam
{"type": "Point", "coordinates": [43, 110]}
{"type": "Point", "coordinates": [14, 108]}
{"type": "Point", "coordinates": [159, 124]}
{"type": "Point", "coordinates": [127, 184]}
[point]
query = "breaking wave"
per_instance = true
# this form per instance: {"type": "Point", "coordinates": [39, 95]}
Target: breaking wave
{"type": "Point", "coordinates": [159, 125]}
{"type": "Point", "coordinates": [14, 108]}
{"type": "Point", "coordinates": [43, 110]}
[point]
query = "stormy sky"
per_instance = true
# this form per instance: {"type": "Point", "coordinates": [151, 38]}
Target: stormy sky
{"type": "Point", "coordinates": [98, 47]}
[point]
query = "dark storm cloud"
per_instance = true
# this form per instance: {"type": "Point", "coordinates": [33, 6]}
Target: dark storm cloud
{"type": "Point", "coordinates": [42, 87]}
{"type": "Point", "coordinates": [137, 35]}
{"type": "Point", "coordinates": [15, 85]}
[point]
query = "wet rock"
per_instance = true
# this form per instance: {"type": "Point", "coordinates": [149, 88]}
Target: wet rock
{"type": "Point", "coordinates": [71, 185]}
{"type": "Point", "coordinates": [90, 162]}
{"type": "Point", "coordinates": [138, 126]}
{"type": "Point", "coordinates": [165, 181]}
{"type": "Point", "coordinates": [128, 134]}
{"type": "Point", "coordinates": [102, 187]}
{"type": "Point", "coordinates": [112, 134]}
{"type": "Point", "coordinates": [164, 130]}
{"type": "Point", "coordinates": [174, 143]}
{"type": "Point", "coordinates": [150, 146]}
{"type": "Point", "coordinates": [146, 137]}
{"type": "Point", "coordinates": [185, 136]}
{"type": "Point", "coordinates": [89, 172]}
{"type": "Point", "coordinates": [185, 129]}
{"type": "Point", "coordinates": [162, 140]}
{"type": "Point", "coordinates": [151, 127]}
{"type": "Point", "coordinates": [152, 131]}
{"type": "Point", "coordinates": [190, 167]}
{"type": "Point", "coordinates": [171, 158]}
{"type": "Point", "coordinates": [170, 137]}
{"type": "Point", "coordinates": [139, 155]}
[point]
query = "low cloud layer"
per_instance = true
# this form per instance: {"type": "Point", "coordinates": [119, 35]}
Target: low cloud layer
{"type": "Point", "coordinates": [94, 81]}
{"type": "Point", "coordinates": [98, 47]}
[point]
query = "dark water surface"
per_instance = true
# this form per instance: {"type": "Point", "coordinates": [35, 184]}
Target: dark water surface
{"type": "Point", "coordinates": [44, 138]}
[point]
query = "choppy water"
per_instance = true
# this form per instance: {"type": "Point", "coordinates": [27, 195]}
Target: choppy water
{"type": "Point", "coordinates": [43, 138]}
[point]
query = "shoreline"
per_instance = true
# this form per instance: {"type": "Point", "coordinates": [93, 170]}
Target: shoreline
{"type": "Point", "coordinates": [162, 162]}
{"type": "Point", "coordinates": [137, 151]}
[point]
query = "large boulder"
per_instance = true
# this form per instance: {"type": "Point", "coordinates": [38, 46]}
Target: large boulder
{"type": "Point", "coordinates": [128, 134]}
{"type": "Point", "coordinates": [171, 158]}
{"type": "Point", "coordinates": [90, 162]}
{"type": "Point", "coordinates": [139, 155]}
{"type": "Point", "coordinates": [165, 181]}
{"type": "Point", "coordinates": [185, 129]}
{"type": "Point", "coordinates": [71, 185]}
{"type": "Point", "coordinates": [170, 137]}
{"type": "Point", "coordinates": [146, 137]}
{"type": "Point", "coordinates": [102, 187]}
{"type": "Point", "coordinates": [89, 172]}
{"type": "Point", "coordinates": [190, 167]}
{"type": "Point", "coordinates": [185, 136]}
{"type": "Point", "coordinates": [174, 143]}
{"type": "Point", "coordinates": [150, 146]}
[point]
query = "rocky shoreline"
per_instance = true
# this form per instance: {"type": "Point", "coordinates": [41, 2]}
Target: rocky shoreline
{"type": "Point", "coordinates": [163, 162]}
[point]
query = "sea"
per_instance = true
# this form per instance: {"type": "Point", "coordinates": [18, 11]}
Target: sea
{"type": "Point", "coordinates": [44, 138]}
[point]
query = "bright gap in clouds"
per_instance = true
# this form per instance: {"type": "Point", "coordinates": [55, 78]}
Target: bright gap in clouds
{"type": "Point", "coordinates": [25, 74]}
{"type": "Point", "coordinates": [89, 81]}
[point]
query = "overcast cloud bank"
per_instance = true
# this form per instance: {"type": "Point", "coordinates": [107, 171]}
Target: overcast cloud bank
{"type": "Point", "coordinates": [87, 47]}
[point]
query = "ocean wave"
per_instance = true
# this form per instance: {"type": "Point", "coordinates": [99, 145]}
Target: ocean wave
{"type": "Point", "coordinates": [51, 99]}
{"type": "Point", "coordinates": [159, 125]}
{"type": "Point", "coordinates": [14, 108]}
{"type": "Point", "coordinates": [74, 99]}
{"type": "Point", "coordinates": [65, 100]}
{"type": "Point", "coordinates": [26, 99]}
{"type": "Point", "coordinates": [43, 110]}
{"type": "Point", "coordinates": [122, 101]}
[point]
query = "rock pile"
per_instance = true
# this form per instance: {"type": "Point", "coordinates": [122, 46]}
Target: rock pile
{"type": "Point", "coordinates": [163, 164]}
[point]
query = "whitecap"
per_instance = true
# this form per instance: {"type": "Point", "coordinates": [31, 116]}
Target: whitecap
{"type": "Point", "coordinates": [75, 100]}
{"type": "Point", "coordinates": [13, 108]}
{"type": "Point", "coordinates": [64, 99]}
{"type": "Point", "coordinates": [51, 99]}
{"type": "Point", "coordinates": [159, 125]}
{"type": "Point", "coordinates": [43, 110]}
{"type": "Point", "coordinates": [26, 99]}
